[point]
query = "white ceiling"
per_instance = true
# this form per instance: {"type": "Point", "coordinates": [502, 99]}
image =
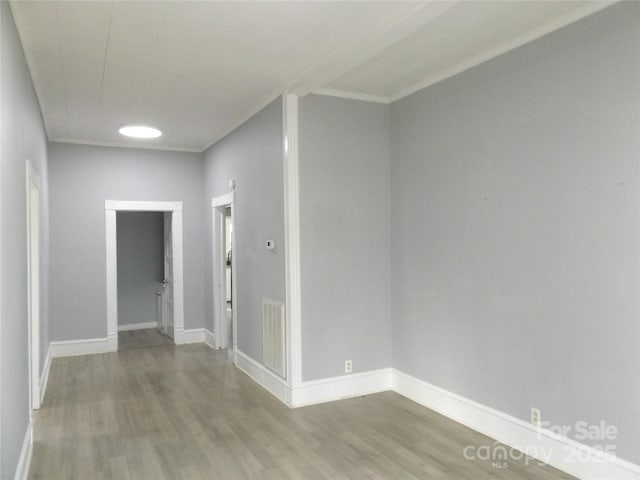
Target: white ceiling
{"type": "Point", "coordinates": [196, 70]}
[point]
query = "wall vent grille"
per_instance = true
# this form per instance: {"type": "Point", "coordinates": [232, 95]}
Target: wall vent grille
{"type": "Point", "coordinates": [273, 336]}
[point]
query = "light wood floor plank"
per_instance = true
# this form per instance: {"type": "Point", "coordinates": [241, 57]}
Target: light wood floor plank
{"type": "Point", "coordinates": [168, 412]}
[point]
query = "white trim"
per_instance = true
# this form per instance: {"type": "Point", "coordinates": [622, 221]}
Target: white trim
{"type": "Point", "coordinates": [365, 97]}
{"type": "Point", "coordinates": [135, 206]}
{"type": "Point", "coordinates": [555, 24]}
{"type": "Point", "coordinates": [175, 208]}
{"type": "Point", "coordinates": [199, 335]}
{"type": "Point", "coordinates": [317, 391]}
{"type": "Point", "coordinates": [90, 346]}
{"type": "Point", "coordinates": [112, 272]}
{"type": "Point", "coordinates": [222, 201]}
{"type": "Point", "coordinates": [516, 433]}
{"type": "Point", "coordinates": [220, 331]}
{"type": "Point", "coordinates": [20, 20]}
{"type": "Point", "coordinates": [217, 273]}
{"type": "Point", "coordinates": [209, 338]}
{"type": "Point", "coordinates": [194, 335]}
{"type": "Point", "coordinates": [178, 332]}
{"type": "Point", "coordinates": [137, 326]}
{"type": "Point", "coordinates": [264, 377]}
{"type": "Point", "coordinates": [178, 274]}
{"type": "Point", "coordinates": [234, 281]}
{"type": "Point", "coordinates": [141, 146]}
{"type": "Point", "coordinates": [44, 377]}
{"type": "Point", "coordinates": [293, 307]}
{"type": "Point", "coordinates": [338, 388]}
{"type": "Point", "coordinates": [24, 461]}
{"type": "Point", "coordinates": [33, 282]}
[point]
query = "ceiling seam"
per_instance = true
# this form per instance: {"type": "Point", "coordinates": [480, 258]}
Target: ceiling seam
{"type": "Point", "coordinates": [104, 67]}
{"type": "Point", "coordinates": [64, 79]}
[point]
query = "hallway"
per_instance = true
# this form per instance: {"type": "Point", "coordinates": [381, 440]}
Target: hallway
{"type": "Point", "coordinates": [185, 413]}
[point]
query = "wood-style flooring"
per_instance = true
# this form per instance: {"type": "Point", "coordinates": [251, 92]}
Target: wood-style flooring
{"type": "Point", "coordinates": [184, 412]}
{"type": "Point", "coordinates": [147, 337]}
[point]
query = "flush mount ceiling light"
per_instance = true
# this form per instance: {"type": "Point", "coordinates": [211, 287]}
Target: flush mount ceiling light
{"type": "Point", "coordinates": [140, 131]}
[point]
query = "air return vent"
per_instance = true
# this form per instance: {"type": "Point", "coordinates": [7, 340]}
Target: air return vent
{"type": "Point", "coordinates": [273, 352]}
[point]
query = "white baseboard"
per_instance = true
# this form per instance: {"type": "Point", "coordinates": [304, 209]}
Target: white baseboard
{"type": "Point", "coordinates": [198, 335]}
{"type": "Point", "coordinates": [179, 335]}
{"type": "Point", "coordinates": [209, 338]}
{"type": "Point", "coordinates": [24, 461]}
{"type": "Point", "coordinates": [137, 326]}
{"type": "Point", "coordinates": [264, 377]}
{"type": "Point", "coordinates": [318, 391]}
{"type": "Point", "coordinates": [194, 335]}
{"type": "Point", "coordinates": [560, 452]}
{"type": "Point", "coordinates": [44, 375]}
{"type": "Point", "coordinates": [71, 348]}
{"type": "Point", "coordinates": [338, 388]}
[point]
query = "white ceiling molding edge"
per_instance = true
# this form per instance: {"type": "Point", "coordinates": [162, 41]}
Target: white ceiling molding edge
{"type": "Point", "coordinates": [31, 66]}
{"type": "Point", "coordinates": [351, 95]}
{"type": "Point", "coordinates": [534, 34]}
{"type": "Point", "coordinates": [123, 145]}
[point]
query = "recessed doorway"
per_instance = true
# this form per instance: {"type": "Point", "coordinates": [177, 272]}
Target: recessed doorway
{"type": "Point", "coordinates": [224, 274]}
{"type": "Point", "coordinates": [171, 323]}
{"type": "Point", "coordinates": [144, 275]}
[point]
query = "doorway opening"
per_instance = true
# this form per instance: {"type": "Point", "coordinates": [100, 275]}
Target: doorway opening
{"type": "Point", "coordinates": [225, 278]}
{"type": "Point", "coordinates": [145, 304]}
{"type": "Point", "coordinates": [33, 284]}
{"type": "Point", "coordinates": [165, 314]}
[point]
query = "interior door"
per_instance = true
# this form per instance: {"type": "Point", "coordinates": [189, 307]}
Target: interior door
{"type": "Point", "coordinates": [167, 319]}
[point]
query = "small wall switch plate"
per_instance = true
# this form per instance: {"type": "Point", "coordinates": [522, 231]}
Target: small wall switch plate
{"type": "Point", "coordinates": [271, 245]}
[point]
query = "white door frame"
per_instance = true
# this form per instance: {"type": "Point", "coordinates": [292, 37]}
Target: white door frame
{"type": "Point", "coordinates": [221, 334]}
{"type": "Point", "coordinates": [111, 208]}
{"type": "Point", "coordinates": [33, 283]}
{"type": "Point", "coordinates": [293, 309]}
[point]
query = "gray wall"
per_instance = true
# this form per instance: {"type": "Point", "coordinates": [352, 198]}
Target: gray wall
{"type": "Point", "coordinates": [22, 137]}
{"type": "Point", "coordinates": [515, 220]}
{"type": "Point", "coordinates": [344, 235]}
{"type": "Point", "coordinates": [82, 178]}
{"type": "Point", "coordinates": [253, 156]}
{"type": "Point", "coordinates": [140, 265]}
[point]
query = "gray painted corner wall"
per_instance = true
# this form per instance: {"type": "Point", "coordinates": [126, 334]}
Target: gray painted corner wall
{"type": "Point", "coordinates": [22, 137]}
{"type": "Point", "coordinates": [515, 220]}
{"type": "Point", "coordinates": [140, 245]}
{"type": "Point", "coordinates": [252, 155]}
{"type": "Point", "coordinates": [344, 235]}
{"type": "Point", "coordinates": [81, 179]}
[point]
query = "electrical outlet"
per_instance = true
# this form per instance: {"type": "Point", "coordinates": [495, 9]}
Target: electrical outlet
{"type": "Point", "coordinates": [348, 366]}
{"type": "Point", "coordinates": [536, 418]}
